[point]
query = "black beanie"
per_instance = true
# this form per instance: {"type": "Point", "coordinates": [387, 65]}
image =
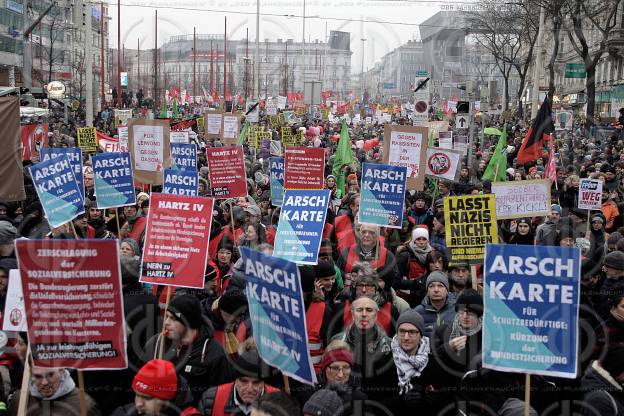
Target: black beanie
{"type": "Point", "coordinates": [307, 278]}
{"type": "Point", "coordinates": [187, 310]}
{"type": "Point", "coordinates": [324, 269]}
{"type": "Point", "coordinates": [233, 302]}
{"type": "Point", "coordinates": [226, 243]}
{"type": "Point", "coordinates": [471, 300]}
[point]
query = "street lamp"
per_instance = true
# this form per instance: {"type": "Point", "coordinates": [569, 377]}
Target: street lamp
{"type": "Point", "coordinates": [362, 73]}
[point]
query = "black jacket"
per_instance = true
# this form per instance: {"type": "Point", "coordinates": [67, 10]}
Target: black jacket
{"type": "Point", "coordinates": [601, 397]}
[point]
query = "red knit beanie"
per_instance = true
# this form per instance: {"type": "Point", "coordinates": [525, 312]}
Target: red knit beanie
{"type": "Point", "coordinates": [157, 379]}
{"type": "Point", "coordinates": [332, 356]}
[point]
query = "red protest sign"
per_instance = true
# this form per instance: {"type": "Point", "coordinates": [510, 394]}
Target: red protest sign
{"type": "Point", "coordinates": [227, 172]}
{"type": "Point", "coordinates": [304, 168]}
{"type": "Point", "coordinates": [176, 240]}
{"type": "Point", "coordinates": [74, 309]}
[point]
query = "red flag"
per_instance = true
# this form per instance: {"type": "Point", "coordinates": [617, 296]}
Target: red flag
{"type": "Point", "coordinates": [531, 148]}
{"type": "Point", "coordinates": [551, 167]}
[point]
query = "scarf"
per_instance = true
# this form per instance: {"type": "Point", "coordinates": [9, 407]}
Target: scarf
{"type": "Point", "coordinates": [409, 366]}
{"type": "Point", "coordinates": [66, 386]}
{"type": "Point", "coordinates": [458, 331]}
{"type": "Point", "coordinates": [420, 253]}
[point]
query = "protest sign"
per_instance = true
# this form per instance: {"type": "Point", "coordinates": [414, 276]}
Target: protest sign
{"type": "Point", "coordinates": [281, 102]}
{"type": "Point", "coordinates": [300, 227]}
{"type": "Point", "coordinates": [227, 172]}
{"type": "Point", "coordinates": [252, 111]}
{"type": "Point", "coordinates": [148, 142]}
{"type": "Point", "coordinates": [113, 180]}
{"type": "Point", "coordinates": [407, 146]}
{"type": "Point", "coordinates": [382, 195]}
{"type": "Point", "coordinates": [531, 304]}
{"type": "Point", "coordinates": [304, 168]}
{"type": "Point", "coordinates": [184, 156]}
{"type": "Point", "coordinates": [445, 139]}
{"type": "Point", "coordinates": [230, 128]}
{"type": "Point", "coordinates": [461, 144]}
{"type": "Point", "coordinates": [276, 180]}
{"type": "Point", "coordinates": [252, 138]}
{"type": "Point", "coordinates": [14, 314]}
{"type": "Point", "coordinates": [180, 182]}
{"type": "Point", "coordinates": [442, 163]}
{"type": "Point", "coordinates": [590, 194]}
{"type": "Point", "coordinates": [470, 224]}
{"type": "Point", "coordinates": [72, 293]}
{"type": "Point", "coordinates": [176, 240]}
{"type": "Point", "coordinates": [73, 154]}
{"type": "Point", "coordinates": [277, 314]}
{"type": "Point", "coordinates": [274, 120]}
{"type": "Point", "coordinates": [261, 137]}
{"type": "Point", "coordinates": [214, 124]}
{"type": "Point", "coordinates": [58, 190]}
{"type": "Point", "coordinates": [122, 117]}
{"type": "Point", "coordinates": [275, 148]}
{"type": "Point", "coordinates": [179, 137]}
{"type": "Point", "coordinates": [34, 137]}
{"type": "Point", "coordinates": [87, 139]}
{"type": "Point", "coordinates": [519, 199]}
{"type": "Point", "coordinates": [201, 122]}
{"type": "Point", "coordinates": [287, 138]}
{"type": "Point", "coordinates": [271, 109]}
{"type": "Point", "coordinates": [122, 132]}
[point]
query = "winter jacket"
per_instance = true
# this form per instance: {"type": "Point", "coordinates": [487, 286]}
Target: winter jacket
{"type": "Point", "coordinates": [603, 395]}
{"type": "Point", "coordinates": [546, 234]}
{"type": "Point", "coordinates": [433, 317]}
{"type": "Point", "coordinates": [181, 405]}
{"type": "Point", "coordinates": [610, 210]}
{"type": "Point", "coordinates": [209, 398]}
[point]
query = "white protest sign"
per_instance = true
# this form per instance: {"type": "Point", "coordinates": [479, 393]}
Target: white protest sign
{"type": "Point", "coordinates": [442, 163]}
{"type": "Point", "coordinates": [281, 102]}
{"type": "Point", "coordinates": [179, 137]}
{"type": "Point", "coordinates": [519, 199]}
{"type": "Point", "coordinates": [445, 139]}
{"type": "Point", "coordinates": [590, 194]}
{"type": "Point", "coordinates": [213, 123]}
{"type": "Point", "coordinates": [14, 314]}
{"type": "Point", "coordinates": [122, 132]}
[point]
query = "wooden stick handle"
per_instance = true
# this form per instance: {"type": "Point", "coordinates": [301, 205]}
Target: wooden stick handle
{"type": "Point", "coordinates": [161, 347]}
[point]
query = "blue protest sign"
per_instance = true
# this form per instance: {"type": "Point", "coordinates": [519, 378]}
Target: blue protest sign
{"type": "Point", "coordinates": [276, 174]}
{"type": "Point", "coordinates": [382, 195]}
{"type": "Point", "coordinates": [74, 154]}
{"type": "Point", "coordinates": [113, 180]}
{"type": "Point", "coordinates": [277, 314]}
{"type": "Point", "coordinates": [58, 190]}
{"type": "Point", "coordinates": [184, 156]}
{"type": "Point", "coordinates": [180, 182]}
{"type": "Point", "coordinates": [531, 301]}
{"type": "Point", "coordinates": [301, 223]}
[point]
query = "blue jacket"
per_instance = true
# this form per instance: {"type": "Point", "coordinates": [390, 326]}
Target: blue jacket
{"type": "Point", "coordinates": [434, 318]}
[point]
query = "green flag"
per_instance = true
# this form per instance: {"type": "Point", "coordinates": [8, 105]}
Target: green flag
{"type": "Point", "coordinates": [163, 110]}
{"type": "Point", "coordinates": [175, 112]}
{"type": "Point", "coordinates": [343, 156]}
{"type": "Point", "coordinates": [496, 170]}
{"type": "Point", "coordinates": [242, 135]}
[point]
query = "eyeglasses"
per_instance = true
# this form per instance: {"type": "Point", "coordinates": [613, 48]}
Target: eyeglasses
{"type": "Point", "coordinates": [335, 369]}
{"type": "Point", "coordinates": [411, 332]}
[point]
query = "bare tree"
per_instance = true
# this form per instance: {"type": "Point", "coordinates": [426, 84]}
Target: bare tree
{"type": "Point", "coordinates": [55, 24]}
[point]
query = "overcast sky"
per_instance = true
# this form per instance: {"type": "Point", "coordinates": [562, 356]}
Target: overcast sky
{"type": "Point", "coordinates": [387, 24]}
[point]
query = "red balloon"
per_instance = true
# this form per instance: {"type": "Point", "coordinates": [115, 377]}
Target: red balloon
{"type": "Point", "coordinates": [321, 129]}
{"type": "Point", "coordinates": [370, 144]}
{"type": "Point", "coordinates": [335, 138]}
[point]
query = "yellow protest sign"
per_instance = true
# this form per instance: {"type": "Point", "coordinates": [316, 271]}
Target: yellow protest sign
{"type": "Point", "coordinates": [325, 113]}
{"type": "Point", "coordinates": [201, 124]}
{"type": "Point", "coordinates": [259, 138]}
{"type": "Point", "coordinates": [87, 139]}
{"type": "Point", "coordinates": [470, 224]}
{"type": "Point", "coordinates": [274, 120]}
{"type": "Point", "coordinates": [251, 133]}
{"type": "Point", "coordinates": [287, 138]}
{"type": "Point", "coordinates": [281, 119]}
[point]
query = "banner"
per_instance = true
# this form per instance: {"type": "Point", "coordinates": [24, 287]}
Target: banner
{"type": "Point", "coordinates": [214, 123]}
{"type": "Point", "coordinates": [531, 303]}
{"type": "Point", "coordinates": [113, 180]}
{"type": "Point", "coordinates": [276, 175]}
{"type": "Point", "coordinates": [382, 195]}
{"type": "Point", "coordinates": [14, 313]}
{"type": "Point", "coordinates": [470, 224]}
{"type": "Point", "coordinates": [590, 194]}
{"type": "Point", "coordinates": [442, 163]}
{"type": "Point", "coordinates": [73, 154]}
{"type": "Point", "coordinates": [277, 314]}
{"type": "Point", "coordinates": [87, 139]}
{"type": "Point", "coordinates": [148, 141]}
{"type": "Point", "coordinates": [300, 227]}
{"type": "Point", "coordinates": [304, 168]}
{"type": "Point", "coordinates": [519, 199]}
{"type": "Point", "coordinates": [230, 128]}
{"type": "Point", "coordinates": [184, 156]}
{"type": "Point", "coordinates": [179, 137]}
{"type": "Point", "coordinates": [34, 137]}
{"type": "Point", "coordinates": [407, 146]}
{"type": "Point", "coordinates": [114, 144]}
{"type": "Point", "coordinates": [176, 240]}
{"type": "Point", "coordinates": [226, 169]}
{"type": "Point", "coordinates": [72, 293]}
{"type": "Point", "coordinates": [11, 166]}
{"type": "Point", "coordinates": [181, 182]}
{"type": "Point", "coordinates": [58, 190]}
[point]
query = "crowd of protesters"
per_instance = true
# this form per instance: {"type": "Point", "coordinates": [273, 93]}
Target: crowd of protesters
{"type": "Point", "coordinates": [392, 329]}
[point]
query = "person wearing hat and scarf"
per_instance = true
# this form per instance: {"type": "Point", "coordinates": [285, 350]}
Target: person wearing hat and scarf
{"type": "Point", "coordinates": [190, 346]}
{"type": "Point", "coordinates": [325, 402]}
{"type": "Point", "coordinates": [334, 196]}
{"type": "Point", "coordinates": [411, 261]}
{"type": "Point", "coordinates": [158, 391]}
{"type": "Point", "coordinates": [546, 233]}
{"type": "Point", "coordinates": [613, 281]}
{"type": "Point", "coordinates": [135, 224]}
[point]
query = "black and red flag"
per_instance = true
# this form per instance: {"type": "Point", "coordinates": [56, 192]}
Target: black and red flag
{"type": "Point", "coordinates": [531, 148]}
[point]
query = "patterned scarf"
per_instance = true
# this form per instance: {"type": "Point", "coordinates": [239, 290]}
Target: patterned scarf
{"type": "Point", "coordinates": [458, 331]}
{"type": "Point", "coordinates": [409, 366]}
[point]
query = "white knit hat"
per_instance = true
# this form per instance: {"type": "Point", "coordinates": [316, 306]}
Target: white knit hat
{"type": "Point", "coordinates": [420, 232]}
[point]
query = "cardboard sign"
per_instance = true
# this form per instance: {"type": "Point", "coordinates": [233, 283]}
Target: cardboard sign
{"type": "Point", "coordinates": [304, 168]}
{"type": "Point", "coordinates": [271, 109]}
{"type": "Point", "coordinates": [72, 293]}
{"type": "Point", "coordinates": [179, 137]}
{"type": "Point", "coordinates": [519, 199]}
{"type": "Point", "coordinates": [442, 163]}
{"type": "Point", "coordinates": [590, 194]}
{"type": "Point", "coordinates": [176, 240]}
{"type": "Point", "coordinates": [470, 224]}
{"type": "Point", "coordinates": [227, 172]}
{"type": "Point", "coordinates": [201, 122]}
{"type": "Point", "coordinates": [300, 227]}
{"type": "Point", "coordinates": [73, 154]}
{"type": "Point", "coordinates": [531, 305]}
{"type": "Point", "coordinates": [382, 195]}
{"type": "Point", "coordinates": [58, 190]}
{"type": "Point", "coordinates": [277, 314]}
{"type": "Point", "coordinates": [184, 156]}
{"type": "Point", "coordinates": [276, 180]}
{"type": "Point", "coordinates": [87, 139]}
{"type": "Point", "coordinates": [14, 314]}
{"type": "Point", "coordinates": [181, 182]}
{"type": "Point", "coordinates": [230, 128]}
{"type": "Point", "coordinates": [214, 124]}
{"type": "Point", "coordinates": [461, 144]}
{"type": "Point", "coordinates": [407, 146]}
{"type": "Point", "coordinates": [148, 142]}
{"type": "Point", "coordinates": [113, 180]}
